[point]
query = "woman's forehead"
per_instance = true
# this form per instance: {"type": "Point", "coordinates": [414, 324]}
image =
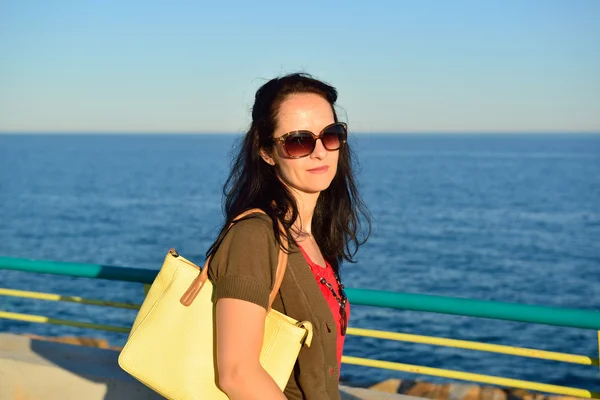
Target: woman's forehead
{"type": "Point", "coordinates": [304, 111]}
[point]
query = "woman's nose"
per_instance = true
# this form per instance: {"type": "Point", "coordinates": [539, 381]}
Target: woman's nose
{"type": "Point", "coordinates": [320, 151]}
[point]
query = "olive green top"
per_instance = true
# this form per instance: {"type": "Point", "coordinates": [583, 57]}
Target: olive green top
{"type": "Point", "coordinates": [244, 267]}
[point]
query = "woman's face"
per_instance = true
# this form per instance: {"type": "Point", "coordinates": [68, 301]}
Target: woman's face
{"type": "Point", "coordinates": [313, 173]}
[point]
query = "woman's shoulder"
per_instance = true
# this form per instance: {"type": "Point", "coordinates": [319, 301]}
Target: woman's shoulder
{"type": "Point", "coordinates": [252, 234]}
{"type": "Point", "coordinates": [256, 223]}
{"type": "Point", "coordinates": [245, 262]}
{"type": "Point", "coordinates": [256, 219]}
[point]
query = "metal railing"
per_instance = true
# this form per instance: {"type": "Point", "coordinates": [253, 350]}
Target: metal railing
{"type": "Point", "coordinates": [575, 318]}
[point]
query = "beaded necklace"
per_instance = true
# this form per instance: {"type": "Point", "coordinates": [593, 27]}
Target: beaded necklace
{"type": "Point", "coordinates": [342, 299]}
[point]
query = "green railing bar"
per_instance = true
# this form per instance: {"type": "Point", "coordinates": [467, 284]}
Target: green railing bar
{"type": "Point", "coordinates": [576, 318]}
{"type": "Point", "coordinates": [97, 271]}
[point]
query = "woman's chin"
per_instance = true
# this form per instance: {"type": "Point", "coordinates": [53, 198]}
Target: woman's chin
{"type": "Point", "coordinates": [316, 187]}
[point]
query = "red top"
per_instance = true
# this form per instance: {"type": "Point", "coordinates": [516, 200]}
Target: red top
{"type": "Point", "coordinates": [327, 273]}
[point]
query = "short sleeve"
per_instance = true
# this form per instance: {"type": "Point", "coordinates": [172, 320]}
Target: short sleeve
{"type": "Point", "coordinates": [245, 264]}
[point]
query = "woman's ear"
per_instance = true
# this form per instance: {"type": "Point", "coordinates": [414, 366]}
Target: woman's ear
{"type": "Point", "coordinates": [267, 157]}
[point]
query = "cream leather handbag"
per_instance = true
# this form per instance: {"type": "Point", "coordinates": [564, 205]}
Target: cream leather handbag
{"type": "Point", "coordinates": [171, 345]}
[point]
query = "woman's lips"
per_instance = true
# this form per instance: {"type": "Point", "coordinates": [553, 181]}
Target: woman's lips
{"type": "Point", "coordinates": [319, 170]}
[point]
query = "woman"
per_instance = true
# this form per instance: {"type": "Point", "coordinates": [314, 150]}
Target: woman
{"type": "Point", "coordinates": [295, 165]}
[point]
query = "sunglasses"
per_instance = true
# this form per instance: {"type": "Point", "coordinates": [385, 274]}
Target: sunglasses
{"type": "Point", "coordinates": [298, 144]}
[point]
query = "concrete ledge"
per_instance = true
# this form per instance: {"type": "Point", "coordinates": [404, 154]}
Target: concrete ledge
{"type": "Point", "coordinates": [38, 369]}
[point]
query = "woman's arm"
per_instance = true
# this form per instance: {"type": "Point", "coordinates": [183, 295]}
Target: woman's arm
{"type": "Point", "coordinates": [240, 330]}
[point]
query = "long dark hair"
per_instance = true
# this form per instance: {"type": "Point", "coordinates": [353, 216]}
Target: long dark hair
{"type": "Point", "coordinates": [339, 216]}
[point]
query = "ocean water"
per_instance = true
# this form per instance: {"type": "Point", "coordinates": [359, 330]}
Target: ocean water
{"type": "Point", "coordinates": [512, 218]}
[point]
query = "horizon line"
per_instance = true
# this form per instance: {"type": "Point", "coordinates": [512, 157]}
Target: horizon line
{"type": "Point", "coordinates": [383, 132]}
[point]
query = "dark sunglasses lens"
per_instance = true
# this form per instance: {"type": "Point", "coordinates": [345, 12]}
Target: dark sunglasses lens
{"type": "Point", "coordinates": [334, 137]}
{"type": "Point", "coordinates": [299, 144]}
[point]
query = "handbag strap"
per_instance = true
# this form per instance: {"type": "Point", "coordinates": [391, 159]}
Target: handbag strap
{"type": "Point", "coordinates": [195, 287]}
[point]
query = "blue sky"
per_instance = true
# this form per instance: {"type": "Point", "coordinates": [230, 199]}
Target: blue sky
{"type": "Point", "coordinates": [399, 66]}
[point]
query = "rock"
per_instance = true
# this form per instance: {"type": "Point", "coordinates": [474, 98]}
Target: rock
{"type": "Point", "coordinates": [460, 391]}
{"type": "Point", "coordinates": [389, 386]}
{"type": "Point", "coordinates": [463, 392]}
{"type": "Point", "coordinates": [492, 393]}
{"type": "Point", "coordinates": [429, 390]}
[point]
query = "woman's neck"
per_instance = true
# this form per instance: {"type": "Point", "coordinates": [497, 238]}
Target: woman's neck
{"type": "Point", "coordinates": [306, 207]}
